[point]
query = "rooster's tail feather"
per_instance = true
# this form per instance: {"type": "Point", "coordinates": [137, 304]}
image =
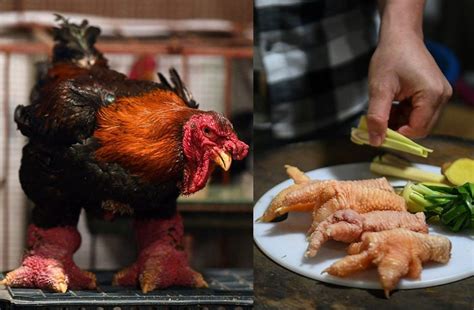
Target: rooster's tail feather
{"type": "Point", "coordinates": [178, 87]}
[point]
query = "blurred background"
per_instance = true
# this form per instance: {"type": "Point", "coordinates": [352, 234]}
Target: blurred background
{"type": "Point", "coordinates": [209, 42]}
{"type": "Point", "coordinates": [448, 25]}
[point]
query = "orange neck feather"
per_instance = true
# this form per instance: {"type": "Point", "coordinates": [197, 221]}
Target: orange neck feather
{"type": "Point", "coordinates": [144, 134]}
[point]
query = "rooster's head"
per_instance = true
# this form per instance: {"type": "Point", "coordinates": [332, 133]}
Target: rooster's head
{"type": "Point", "coordinates": [208, 139]}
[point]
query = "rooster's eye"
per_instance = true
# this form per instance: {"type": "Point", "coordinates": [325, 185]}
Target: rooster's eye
{"type": "Point", "coordinates": [207, 131]}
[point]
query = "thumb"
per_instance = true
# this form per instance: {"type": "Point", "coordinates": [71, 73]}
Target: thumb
{"type": "Point", "coordinates": [380, 103]}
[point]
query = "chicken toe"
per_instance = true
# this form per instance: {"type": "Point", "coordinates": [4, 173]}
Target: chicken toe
{"type": "Point", "coordinates": [164, 266]}
{"type": "Point", "coordinates": [414, 270]}
{"type": "Point", "coordinates": [48, 264]}
{"type": "Point", "coordinates": [359, 199]}
{"type": "Point", "coordinates": [161, 262]}
{"type": "Point", "coordinates": [347, 226]}
{"type": "Point", "coordinates": [296, 174]}
{"type": "Point", "coordinates": [392, 267]}
{"type": "Point", "coordinates": [397, 253]}
{"type": "Point", "coordinates": [306, 195]}
{"type": "Point", "coordinates": [350, 264]}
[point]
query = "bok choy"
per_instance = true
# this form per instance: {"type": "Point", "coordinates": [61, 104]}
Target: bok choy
{"type": "Point", "coordinates": [452, 206]}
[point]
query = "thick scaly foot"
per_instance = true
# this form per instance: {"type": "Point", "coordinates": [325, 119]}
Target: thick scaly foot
{"type": "Point", "coordinates": [48, 264]}
{"type": "Point", "coordinates": [160, 267]}
{"type": "Point", "coordinates": [162, 262]}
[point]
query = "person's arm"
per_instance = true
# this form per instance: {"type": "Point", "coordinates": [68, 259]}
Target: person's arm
{"type": "Point", "coordinates": [403, 69]}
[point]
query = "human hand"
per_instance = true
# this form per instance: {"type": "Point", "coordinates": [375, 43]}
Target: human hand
{"type": "Point", "coordinates": [402, 69]}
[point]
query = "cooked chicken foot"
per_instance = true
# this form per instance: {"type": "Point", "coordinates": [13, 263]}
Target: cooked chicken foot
{"type": "Point", "coordinates": [397, 253]}
{"type": "Point", "coordinates": [48, 264]}
{"type": "Point", "coordinates": [358, 198]}
{"type": "Point", "coordinates": [347, 226]}
{"type": "Point", "coordinates": [308, 195]}
{"type": "Point", "coordinates": [161, 261]}
{"type": "Point", "coordinates": [298, 176]}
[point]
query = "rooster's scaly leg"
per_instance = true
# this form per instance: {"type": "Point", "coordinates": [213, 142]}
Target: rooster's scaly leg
{"type": "Point", "coordinates": [162, 261]}
{"type": "Point", "coordinates": [48, 263]}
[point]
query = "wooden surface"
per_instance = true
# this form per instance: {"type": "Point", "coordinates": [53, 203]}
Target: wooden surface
{"type": "Point", "coordinates": [279, 288]}
{"type": "Point", "coordinates": [456, 120]}
{"type": "Point", "coordinates": [237, 11]}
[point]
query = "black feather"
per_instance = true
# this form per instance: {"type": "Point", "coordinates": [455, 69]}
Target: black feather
{"type": "Point", "coordinates": [178, 88]}
{"type": "Point", "coordinates": [59, 170]}
{"type": "Point", "coordinates": [22, 120]}
{"type": "Point", "coordinates": [164, 81]}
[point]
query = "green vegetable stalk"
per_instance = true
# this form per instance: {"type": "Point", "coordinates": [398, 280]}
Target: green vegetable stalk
{"type": "Point", "coordinates": [393, 140]}
{"type": "Point", "coordinates": [452, 206]}
{"type": "Point", "coordinates": [390, 165]}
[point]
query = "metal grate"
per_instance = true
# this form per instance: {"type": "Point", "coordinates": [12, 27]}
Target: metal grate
{"type": "Point", "coordinates": [228, 289]}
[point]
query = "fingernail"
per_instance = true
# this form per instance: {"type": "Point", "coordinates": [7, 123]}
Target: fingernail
{"type": "Point", "coordinates": [375, 139]}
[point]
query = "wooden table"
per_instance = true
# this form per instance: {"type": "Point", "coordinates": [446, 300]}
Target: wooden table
{"type": "Point", "coordinates": [279, 288]}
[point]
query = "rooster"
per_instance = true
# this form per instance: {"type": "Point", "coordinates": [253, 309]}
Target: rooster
{"type": "Point", "coordinates": [108, 144]}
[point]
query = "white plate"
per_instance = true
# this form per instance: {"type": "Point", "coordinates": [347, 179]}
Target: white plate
{"type": "Point", "coordinates": [285, 242]}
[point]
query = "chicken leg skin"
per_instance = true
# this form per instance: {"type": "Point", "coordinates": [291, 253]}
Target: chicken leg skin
{"type": "Point", "coordinates": [359, 199]}
{"type": "Point", "coordinates": [48, 264]}
{"type": "Point", "coordinates": [308, 195]}
{"type": "Point", "coordinates": [397, 253]}
{"type": "Point", "coordinates": [347, 226]}
{"type": "Point", "coordinates": [162, 261]}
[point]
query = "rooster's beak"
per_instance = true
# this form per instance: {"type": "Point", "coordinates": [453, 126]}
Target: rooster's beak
{"type": "Point", "coordinates": [223, 159]}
